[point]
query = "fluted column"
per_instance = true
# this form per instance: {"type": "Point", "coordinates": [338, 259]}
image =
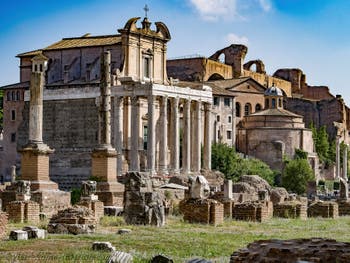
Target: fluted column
{"type": "Point", "coordinates": [207, 137]}
{"type": "Point", "coordinates": [163, 142]}
{"type": "Point", "coordinates": [176, 136]}
{"type": "Point", "coordinates": [118, 137]}
{"type": "Point", "coordinates": [151, 138]}
{"type": "Point", "coordinates": [197, 138]}
{"type": "Point", "coordinates": [186, 140]}
{"type": "Point", "coordinates": [135, 130]}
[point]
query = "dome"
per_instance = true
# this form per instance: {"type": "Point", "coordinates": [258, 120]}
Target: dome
{"type": "Point", "coordinates": [273, 91]}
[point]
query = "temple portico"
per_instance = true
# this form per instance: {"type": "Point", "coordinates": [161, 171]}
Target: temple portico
{"type": "Point", "coordinates": [157, 116]}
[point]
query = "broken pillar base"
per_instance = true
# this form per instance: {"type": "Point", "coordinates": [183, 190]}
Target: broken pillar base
{"type": "Point", "coordinates": [104, 164]}
{"type": "Point", "coordinates": [23, 211]}
{"type": "Point", "coordinates": [96, 206]}
{"type": "Point", "coordinates": [110, 193]}
{"type": "Point", "coordinates": [51, 201]}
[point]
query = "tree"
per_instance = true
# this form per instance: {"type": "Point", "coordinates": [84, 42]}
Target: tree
{"type": "Point", "coordinates": [226, 160]}
{"type": "Point", "coordinates": [296, 174]}
{"type": "Point", "coordinates": [321, 142]}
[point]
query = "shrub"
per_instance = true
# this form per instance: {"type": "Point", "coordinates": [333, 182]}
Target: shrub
{"type": "Point", "coordinates": [296, 174]}
{"type": "Point", "coordinates": [75, 195]}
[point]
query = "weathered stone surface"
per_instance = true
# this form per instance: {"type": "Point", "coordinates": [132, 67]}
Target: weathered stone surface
{"type": "Point", "coordinates": [120, 257]}
{"type": "Point", "coordinates": [113, 210]}
{"type": "Point", "coordinates": [205, 211]}
{"type": "Point", "coordinates": [23, 211]}
{"type": "Point", "coordinates": [327, 209]}
{"type": "Point", "coordinates": [290, 209]}
{"type": "Point", "coordinates": [34, 232]}
{"type": "Point", "coordinates": [161, 259]}
{"type": "Point", "coordinates": [295, 250]}
{"type": "Point", "coordinates": [253, 211]}
{"type": "Point", "coordinates": [3, 223]}
{"type": "Point", "coordinates": [199, 260]}
{"type": "Point", "coordinates": [142, 205]}
{"type": "Point", "coordinates": [124, 231]}
{"type": "Point", "coordinates": [74, 220]}
{"type": "Point", "coordinates": [107, 246]}
{"type": "Point", "coordinates": [18, 235]}
{"type": "Point", "coordinates": [278, 195]}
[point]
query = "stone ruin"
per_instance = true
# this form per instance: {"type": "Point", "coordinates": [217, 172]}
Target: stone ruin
{"type": "Point", "coordinates": [3, 223]}
{"type": "Point", "coordinates": [295, 250]}
{"type": "Point", "coordinates": [142, 205]}
{"type": "Point", "coordinates": [73, 220]}
{"type": "Point", "coordinates": [198, 208]}
{"type": "Point", "coordinates": [90, 200]}
{"type": "Point", "coordinates": [326, 209]}
{"type": "Point", "coordinates": [23, 209]}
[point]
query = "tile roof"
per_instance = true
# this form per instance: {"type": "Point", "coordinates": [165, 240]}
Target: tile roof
{"type": "Point", "coordinates": [16, 85]}
{"type": "Point", "coordinates": [77, 42]}
{"type": "Point", "coordinates": [275, 112]}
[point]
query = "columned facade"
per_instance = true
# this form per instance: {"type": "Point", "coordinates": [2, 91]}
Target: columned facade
{"type": "Point", "coordinates": [190, 112]}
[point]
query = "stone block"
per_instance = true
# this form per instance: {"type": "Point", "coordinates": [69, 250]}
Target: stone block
{"type": "Point", "coordinates": [253, 211]}
{"type": "Point", "coordinates": [161, 259]}
{"type": "Point", "coordinates": [23, 211]}
{"type": "Point", "coordinates": [34, 232]}
{"type": "Point", "coordinates": [113, 210]}
{"type": "Point", "coordinates": [106, 246]}
{"type": "Point", "coordinates": [3, 223]}
{"type": "Point", "coordinates": [124, 231]}
{"type": "Point", "coordinates": [327, 209]}
{"type": "Point", "coordinates": [18, 235]}
{"type": "Point", "coordinates": [120, 257]}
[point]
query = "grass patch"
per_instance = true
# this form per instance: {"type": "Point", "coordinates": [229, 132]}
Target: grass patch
{"type": "Point", "coordinates": [179, 240]}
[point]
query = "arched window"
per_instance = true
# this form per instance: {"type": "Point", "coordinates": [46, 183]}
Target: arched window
{"type": "Point", "coordinates": [258, 107]}
{"type": "Point", "coordinates": [238, 109]}
{"type": "Point", "coordinates": [267, 103]}
{"type": "Point", "coordinates": [17, 95]}
{"type": "Point", "coordinates": [222, 58]}
{"type": "Point", "coordinates": [247, 109]}
{"type": "Point", "coordinates": [13, 95]}
{"type": "Point", "coordinates": [280, 103]}
{"type": "Point", "coordinates": [8, 96]}
{"type": "Point", "coordinates": [273, 102]}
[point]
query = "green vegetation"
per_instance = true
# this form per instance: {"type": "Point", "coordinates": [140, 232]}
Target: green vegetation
{"type": "Point", "coordinates": [297, 173]}
{"type": "Point", "coordinates": [179, 240]}
{"type": "Point", "coordinates": [226, 160]}
{"type": "Point", "coordinates": [75, 196]}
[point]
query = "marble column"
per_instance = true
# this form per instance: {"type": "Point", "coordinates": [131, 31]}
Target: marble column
{"type": "Point", "coordinates": [196, 151]}
{"type": "Point", "coordinates": [135, 134]}
{"type": "Point", "coordinates": [337, 157]}
{"type": "Point", "coordinates": [118, 116]}
{"type": "Point", "coordinates": [345, 162]}
{"type": "Point", "coordinates": [163, 141]}
{"type": "Point", "coordinates": [207, 137]}
{"type": "Point", "coordinates": [151, 135]}
{"type": "Point", "coordinates": [176, 136]}
{"type": "Point", "coordinates": [186, 140]}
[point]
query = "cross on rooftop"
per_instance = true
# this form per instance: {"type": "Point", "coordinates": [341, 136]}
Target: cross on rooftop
{"type": "Point", "coordinates": [146, 9]}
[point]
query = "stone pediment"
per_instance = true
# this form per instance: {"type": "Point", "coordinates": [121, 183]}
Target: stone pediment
{"type": "Point", "coordinates": [248, 86]}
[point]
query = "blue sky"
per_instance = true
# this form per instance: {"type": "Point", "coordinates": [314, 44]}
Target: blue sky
{"type": "Point", "coordinates": [312, 35]}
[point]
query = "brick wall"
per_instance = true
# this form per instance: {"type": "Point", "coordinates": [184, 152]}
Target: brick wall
{"type": "Point", "coordinates": [344, 208]}
{"type": "Point", "coordinates": [3, 223]}
{"type": "Point", "coordinates": [253, 211]}
{"type": "Point", "coordinates": [20, 211]}
{"type": "Point", "coordinates": [96, 206]}
{"type": "Point", "coordinates": [290, 210]}
{"type": "Point", "coordinates": [323, 209]}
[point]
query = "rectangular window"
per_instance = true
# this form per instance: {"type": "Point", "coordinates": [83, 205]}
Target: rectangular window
{"type": "Point", "coordinates": [13, 115]}
{"type": "Point", "coordinates": [216, 101]}
{"type": "Point", "coordinates": [229, 119]}
{"type": "Point", "coordinates": [217, 118]}
{"type": "Point", "coordinates": [145, 134]}
{"type": "Point", "coordinates": [13, 137]}
{"type": "Point", "coordinates": [229, 135]}
{"type": "Point", "coordinates": [146, 68]}
{"type": "Point", "coordinates": [227, 102]}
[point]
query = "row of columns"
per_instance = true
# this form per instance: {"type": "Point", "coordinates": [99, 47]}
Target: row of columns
{"type": "Point", "coordinates": [191, 146]}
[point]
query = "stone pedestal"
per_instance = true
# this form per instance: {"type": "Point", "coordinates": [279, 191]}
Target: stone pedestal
{"type": "Point", "coordinates": [95, 206]}
{"type": "Point", "coordinates": [23, 211]}
{"type": "Point", "coordinates": [104, 167]}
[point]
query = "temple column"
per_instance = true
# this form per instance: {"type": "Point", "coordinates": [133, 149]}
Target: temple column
{"type": "Point", "coordinates": [186, 140]}
{"type": "Point", "coordinates": [135, 130]}
{"type": "Point", "coordinates": [345, 162]}
{"type": "Point", "coordinates": [118, 116]}
{"type": "Point", "coordinates": [175, 134]}
{"type": "Point", "coordinates": [104, 156]}
{"type": "Point", "coordinates": [196, 151]}
{"type": "Point", "coordinates": [163, 142]}
{"type": "Point", "coordinates": [207, 137]}
{"type": "Point", "coordinates": [337, 157]}
{"type": "Point", "coordinates": [151, 136]}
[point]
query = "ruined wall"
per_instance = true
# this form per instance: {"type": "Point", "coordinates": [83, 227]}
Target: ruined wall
{"type": "Point", "coordinates": [20, 212]}
{"type": "Point", "coordinates": [320, 113]}
{"type": "Point", "coordinates": [3, 224]}
{"type": "Point", "coordinates": [70, 127]}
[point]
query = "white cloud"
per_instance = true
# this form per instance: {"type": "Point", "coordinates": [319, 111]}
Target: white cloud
{"type": "Point", "coordinates": [234, 39]}
{"type": "Point", "coordinates": [214, 9]}
{"type": "Point", "coordinates": [265, 5]}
